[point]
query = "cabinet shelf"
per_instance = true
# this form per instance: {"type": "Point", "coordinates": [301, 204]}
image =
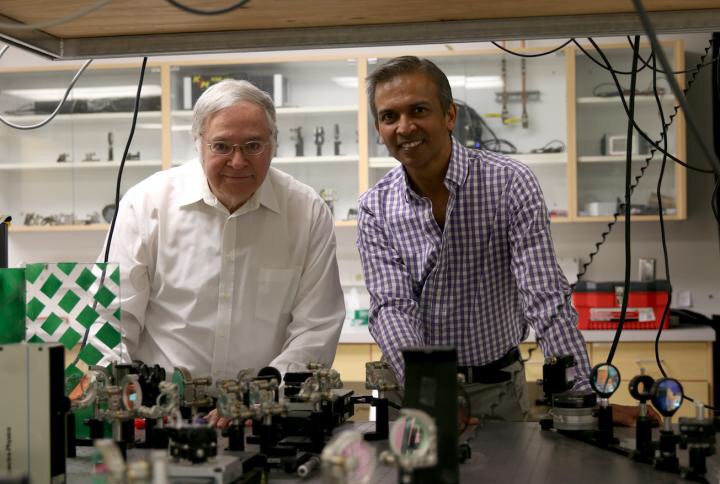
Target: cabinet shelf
{"type": "Point", "coordinates": [609, 159]}
{"type": "Point", "coordinates": [527, 158]}
{"type": "Point", "coordinates": [612, 100]}
{"type": "Point", "coordinates": [300, 160]}
{"type": "Point", "coordinates": [86, 165]}
{"type": "Point", "coordinates": [346, 223]}
{"type": "Point", "coordinates": [569, 179]}
{"type": "Point", "coordinates": [634, 218]}
{"type": "Point", "coordinates": [104, 227]}
{"type": "Point", "coordinates": [315, 159]}
{"type": "Point", "coordinates": [59, 228]}
{"type": "Point", "coordinates": [287, 110]}
{"type": "Point", "coordinates": [18, 118]}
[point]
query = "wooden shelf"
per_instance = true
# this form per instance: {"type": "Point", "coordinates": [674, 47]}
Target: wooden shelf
{"type": "Point", "coordinates": [78, 165]}
{"type": "Point", "coordinates": [301, 160]}
{"type": "Point", "coordinates": [346, 223]}
{"type": "Point", "coordinates": [288, 110]}
{"type": "Point", "coordinates": [609, 159]}
{"type": "Point", "coordinates": [634, 218]}
{"type": "Point", "coordinates": [19, 118]}
{"type": "Point", "coordinates": [104, 227]}
{"type": "Point", "coordinates": [59, 228]}
{"type": "Point", "coordinates": [612, 100]}
{"type": "Point", "coordinates": [527, 158]}
{"type": "Point", "coordinates": [383, 162]}
{"type": "Point", "coordinates": [315, 159]}
{"type": "Point", "coordinates": [541, 158]}
{"type": "Point", "coordinates": [559, 172]}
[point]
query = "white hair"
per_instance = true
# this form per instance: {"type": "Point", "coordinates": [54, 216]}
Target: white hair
{"type": "Point", "coordinates": [227, 93]}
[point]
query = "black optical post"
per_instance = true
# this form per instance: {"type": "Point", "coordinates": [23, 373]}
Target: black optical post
{"type": "Point", "coordinates": [4, 224]}
{"type": "Point", "coordinates": [431, 386]}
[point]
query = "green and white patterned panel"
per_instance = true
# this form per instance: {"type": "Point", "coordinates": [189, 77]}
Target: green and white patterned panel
{"type": "Point", "coordinates": [67, 299]}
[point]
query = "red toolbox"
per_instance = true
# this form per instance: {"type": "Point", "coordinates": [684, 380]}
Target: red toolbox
{"type": "Point", "coordinates": [598, 304]}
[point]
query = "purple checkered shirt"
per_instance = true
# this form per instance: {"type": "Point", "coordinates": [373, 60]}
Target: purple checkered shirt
{"type": "Point", "coordinates": [479, 283]}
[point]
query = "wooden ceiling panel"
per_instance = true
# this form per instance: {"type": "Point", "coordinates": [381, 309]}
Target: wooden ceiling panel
{"type": "Point", "coordinates": [339, 21]}
{"type": "Point", "coordinates": [135, 17]}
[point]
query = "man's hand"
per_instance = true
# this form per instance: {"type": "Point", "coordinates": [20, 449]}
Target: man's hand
{"type": "Point", "coordinates": [625, 415]}
{"type": "Point", "coordinates": [215, 420]}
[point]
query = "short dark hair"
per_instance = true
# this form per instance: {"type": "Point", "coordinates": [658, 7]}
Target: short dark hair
{"type": "Point", "coordinates": [408, 64]}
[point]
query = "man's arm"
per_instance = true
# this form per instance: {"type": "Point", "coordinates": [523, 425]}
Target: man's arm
{"type": "Point", "coordinates": [544, 290]}
{"type": "Point", "coordinates": [319, 308]}
{"type": "Point", "coordinates": [394, 320]}
{"type": "Point", "coordinates": [129, 250]}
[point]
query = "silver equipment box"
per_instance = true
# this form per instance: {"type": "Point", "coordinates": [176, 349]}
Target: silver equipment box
{"type": "Point", "coordinates": [32, 412]}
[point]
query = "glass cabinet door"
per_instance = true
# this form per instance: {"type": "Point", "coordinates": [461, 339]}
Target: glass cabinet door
{"type": "Point", "coordinates": [602, 136]}
{"type": "Point", "coordinates": [509, 105]}
{"type": "Point", "coordinates": [317, 112]}
{"type": "Point", "coordinates": [64, 174]}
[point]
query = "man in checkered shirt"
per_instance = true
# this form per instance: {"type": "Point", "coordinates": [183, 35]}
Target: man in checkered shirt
{"type": "Point", "coordinates": [456, 247]}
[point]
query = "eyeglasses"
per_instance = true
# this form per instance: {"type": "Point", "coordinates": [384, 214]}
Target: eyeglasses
{"type": "Point", "coordinates": [251, 148]}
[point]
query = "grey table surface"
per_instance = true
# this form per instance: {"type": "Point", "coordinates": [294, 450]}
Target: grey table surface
{"type": "Point", "coordinates": [508, 453]}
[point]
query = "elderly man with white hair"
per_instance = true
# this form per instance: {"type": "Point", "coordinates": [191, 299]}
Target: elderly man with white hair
{"type": "Point", "coordinates": [227, 263]}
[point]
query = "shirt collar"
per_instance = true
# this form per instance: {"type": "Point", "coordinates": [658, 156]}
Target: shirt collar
{"type": "Point", "coordinates": [458, 168]}
{"type": "Point", "coordinates": [197, 189]}
{"type": "Point", "coordinates": [194, 184]}
{"type": "Point", "coordinates": [456, 173]}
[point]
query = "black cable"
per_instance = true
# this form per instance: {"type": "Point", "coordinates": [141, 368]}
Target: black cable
{"type": "Point", "coordinates": [590, 56]}
{"type": "Point", "coordinates": [394, 405]}
{"type": "Point", "coordinates": [611, 93]}
{"type": "Point", "coordinates": [628, 193]}
{"type": "Point", "coordinates": [645, 63]}
{"type": "Point", "coordinates": [530, 55]}
{"type": "Point", "coordinates": [530, 352]}
{"type": "Point", "coordinates": [642, 133]}
{"type": "Point", "coordinates": [654, 145]}
{"type": "Point", "coordinates": [689, 117]}
{"type": "Point", "coordinates": [219, 11]}
{"type": "Point", "coordinates": [124, 157]}
{"type": "Point", "coordinates": [686, 71]}
{"type": "Point", "coordinates": [117, 197]}
{"type": "Point", "coordinates": [605, 66]}
{"type": "Point", "coordinates": [650, 31]}
{"type": "Point", "coordinates": [666, 310]}
{"type": "Point", "coordinates": [715, 201]}
{"type": "Point", "coordinates": [54, 113]}
{"type": "Point", "coordinates": [662, 228]}
{"type": "Point", "coordinates": [496, 143]}
{"type": "Point", "coordinates": [548, 148]}
{"type": "Point", "coordinates": [671, 119]}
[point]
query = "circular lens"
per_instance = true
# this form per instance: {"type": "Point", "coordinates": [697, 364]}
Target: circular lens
{"type": "Point", "coordinates": [253, 148]}
{"type": "Point", "coordinates": [605, 379]}
{"type": "Point", "coordinates": [408, 435]}
{"type": "Point", "coordinates": [640, 387]}
{"type": "Point", "coordinates": [131, 392]}
{"type": "Point", "coordinates": [667, 396]}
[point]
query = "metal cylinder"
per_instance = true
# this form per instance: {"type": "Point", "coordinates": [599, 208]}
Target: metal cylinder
{"type": "Point", "coordinates": [308, 466]}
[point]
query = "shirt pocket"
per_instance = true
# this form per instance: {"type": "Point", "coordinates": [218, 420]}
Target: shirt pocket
{"type": "Point", "coordinates": [275, 293]}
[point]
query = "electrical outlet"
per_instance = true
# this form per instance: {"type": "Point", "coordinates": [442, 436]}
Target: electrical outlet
{"type": "Point", "coordinates": [683, 299]}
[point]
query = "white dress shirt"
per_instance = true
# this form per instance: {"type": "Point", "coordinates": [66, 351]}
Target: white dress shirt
{"type": "Point", "coordinates": [216, 292]}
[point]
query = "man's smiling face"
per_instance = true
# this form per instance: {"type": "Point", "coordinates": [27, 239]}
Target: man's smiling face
{"type": "Point", "coordinates": [412, 123]}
